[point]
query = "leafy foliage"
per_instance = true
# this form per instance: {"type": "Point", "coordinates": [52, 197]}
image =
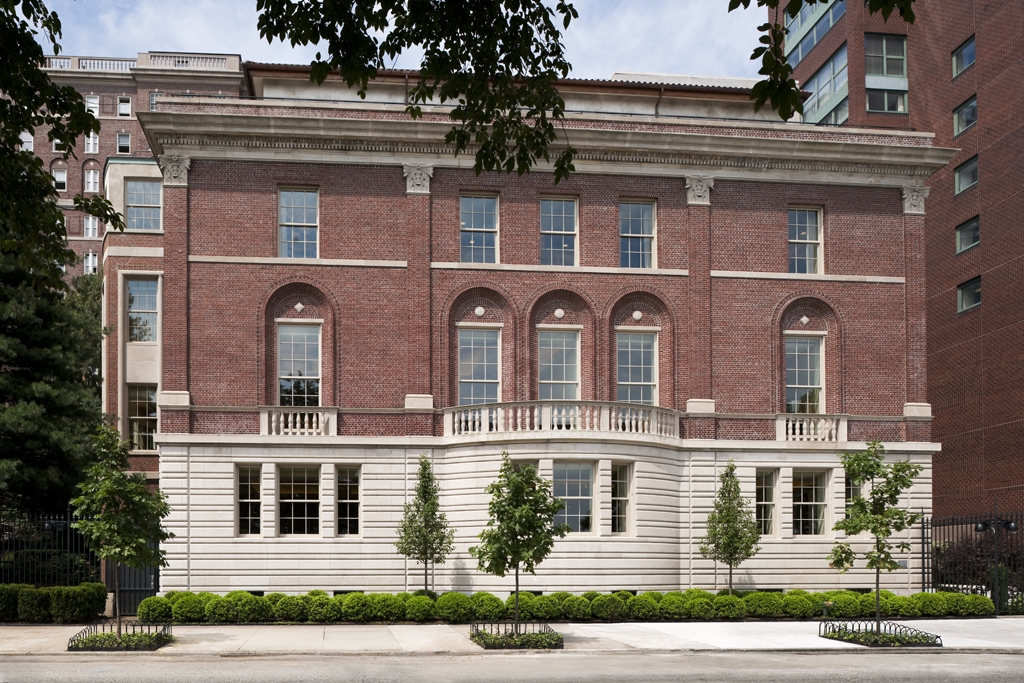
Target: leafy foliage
{"type": "Point", "coordinates": [419, 608]}
{"type": "Point", "coordinates": [487, 607]}
{"type": "Point", "coordinates": [576, 608]}
{"type": "Point", "coordinates": [761, 604]}
{"type": "Point", "coordinates": [290, 608]}
{"type": "Point", "coordinates": [799, 607]}
{"type": "Point", "coordinates": [221, 611]}
{"type": "Point", "coordinates": [729, 607]}
{"type": "Point", "coordinates": [523, 641]}
{"type": "Point", "coordinates": [188, 609]}
{"type": "Point", "coordinates": [607, 607]}
{"type": "Point", "coordinates": [387, 607]}
{"type": "Point", "coordinates": [672, 608]}
{"type": "Point", "coordinates": [455, 608]}
{"type": "Point", "coordinates": [155, 610]}
{"type": "Point", "coordinates": [732, 531]}
{"type": "Point", "coordinates": [424, 534]}
{"type": "Point", "coordinates": [128, 641]}
{"type": "Point", "coordinates": [357, 607]}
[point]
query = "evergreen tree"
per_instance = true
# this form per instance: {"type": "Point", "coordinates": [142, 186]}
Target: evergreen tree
{"type": "Point", "coordinates": [424, 534]}
{"type": "Point", "coordinates": [118, 514]}
{"type": "Point", "coordinates": [521, 530]}
{"type": "Point", "coordinates": [878, 513]}
{"type": "Point", "coordinates": [732, 530]}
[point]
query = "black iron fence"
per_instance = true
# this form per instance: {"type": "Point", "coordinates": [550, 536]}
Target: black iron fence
{"type": "Point", "coordinates": [43, 550]}
{"type": "Point", "coordinates": [982, 554]}
{"type": "Point", "coordinates": [80, 641]}
{"type": "Point", "coordinates": [905, 635]}
{"type": "Point", "coordinates": [508, 627]}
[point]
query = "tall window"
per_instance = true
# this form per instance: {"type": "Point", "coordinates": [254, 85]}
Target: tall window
{"type": "Point", "coordinates": [803, 375]}
{"type": "Point", "coordinates": [968, 295]}
{"type": "Point", "coordinates": [92, 180]}
{"type": "Point", "coordinates": [828, 80]}
{"type": "Point", "coordinates": [92, 143]}
{"type": "Point", "coordinates": [298, 365]}
{"type": "Point", "coordinates": [637, 382]}
{"type": "Point", "coordinates": [479, 373]}
{"type": "Point", "coordinates": [965, 116]}
{"type": "Point", "coordinates": [804, 241]}
{"type": "Point", "coordinates": [968, 234]}
{"type": "Point", "coordinates": [124, 143]}
{"type": "Point", "coordinates": [620, 498]}
{"type": "Point", "coordinates": [142, 310]}
{"type": "Point", "coordinates": [153, 97]}
{"type": "Point", "coordinates": [838, 115]}
{"type": "Point", "coordinates": [964, 56]}
{"type": "Point", "coordinates": [90, 226]}
{"type": "Point", "coordinates": [765, 501]}
{"type": "Point", "coordinates": [142, 204]}
{"type": "Point", "coordinates": [558, 356]}
{"type": "Point", "coordinates": [124, 106]}
{"type": "Point", "coordinates": [90, 262]}
{"type": "Point", "coordinates": [248, 500]}
{"type": "Point", "coordinates": [828, 19]}
{"type": "Point", "coordinates": [297, 221]}
{"type": "Point", "coordinates": [636, 234]}
{"type": "Point", "coordinates": [299, 500]}
{"type": "Point", "coordinates": [808, 503]}
{"type": "Point", "coordinates": [27, 142]}
{"type": "Point", "coordinates": [348, 501]}
{"type": "Point", "coordinates": [557, 232]}
{"type": "Point", "coordinates": [572, 484]}
{"type": "Point", "coordinates": [966, 175]}
{"type": "Point", "coordinates": [60, 180]}
{"type": "Point", "coordinates": [851, 490]}
{"type": "Point", "coordinates": [885, 55]}
{"type": "Point", "coordinates": [92, 104]}
{"type": "Point", "coordinates": [478, 229]}
{"type": "Point", "coordinates": [142, 416]}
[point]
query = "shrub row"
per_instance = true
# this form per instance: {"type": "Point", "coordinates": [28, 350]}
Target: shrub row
{"type": "Point", "coordinates": [60, 604]}
{"type": "Point", "coordinates": [459, 608]}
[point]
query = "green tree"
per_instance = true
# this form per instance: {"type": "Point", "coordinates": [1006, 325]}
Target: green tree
{"type": "Point", "coordinates": [878, 513]}
{"type": "Point", "coordinates": [424, 534]}
{"type": "Point", "coordinates": [521, 530]}
{"type": "Point", "coordinates": [47, 404]}
{"type": "Point", "coordinates": [732, 531]}
{"type": "Point", "coordinates": [118, 514]}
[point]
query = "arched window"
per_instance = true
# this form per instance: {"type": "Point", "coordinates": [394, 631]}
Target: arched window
{"type": "Point", "coordinates": [811, 362]}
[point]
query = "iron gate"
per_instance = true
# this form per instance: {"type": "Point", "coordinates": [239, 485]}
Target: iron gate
{"type": "Point", "coordinates": [135, 585]}
{"type": "Point", "coordinates": [43, 550]}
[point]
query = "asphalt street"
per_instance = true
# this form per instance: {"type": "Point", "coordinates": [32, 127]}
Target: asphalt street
{"type": "Point", "coordinates": [743, 667]}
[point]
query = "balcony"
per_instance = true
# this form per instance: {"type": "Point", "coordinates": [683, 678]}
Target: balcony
{"type": "Point", "coordinates": [810, 428]}
{"type": "Point", "coordinates": [305, 421]}
{"type": "Point", "coordinates": [554, 418]}
{"type": "Point", "coordinates": [151, 60]}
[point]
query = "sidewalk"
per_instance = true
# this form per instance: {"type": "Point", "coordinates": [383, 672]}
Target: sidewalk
{"type": "Point", "coordinates": [1005, 634]}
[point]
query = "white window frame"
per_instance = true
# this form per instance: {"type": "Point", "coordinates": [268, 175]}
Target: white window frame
{"type": "Point", "coordinates": [961, 288]}
{"type": "Point", "coordinates": [124, 100]}
{"type": "Point", "coordinates": [60, 179]}
{"type": "Point", "coordinates": [825, 503]}
{"type": "Point", "coordinates": [655, 375]}
{"type": "Point", "coordinates": [92, 105]}
{"type": "Point", "coordinates": [593, 514]}
{"type": "Point", "coordinates": [118, 141]}
{"type": "Point", "coordinates": [960, 51]}
{"type": "Point", "coordinates": [92, 180]}
{"type": "Point", "coordinates": [771, 505]}
{"type": "Point", "coordinates": [485, 327]}
{"type": "Point", "coordinates": [299, 322]}
{"type": "Point", "coordinates": [627, 516]}
{"type": "Point", "coordinates": [319, 501]}
{"type": "Point", "coordinates": [90, 262]}
{"type": "Point", "coordinates": [258, 500]}
{"type": "Point", "coordinates": [92, 143]}
{"type": "Point", "coordinates": [91, 226]}
{"type": "Point", "coordinates": [958, 187]}
{"type": "Point", "coordinates": [497, 224]}
{"type": "Point", "coordinates": [28, 142]}
{"type": "Point", "coordinates": [575, 234]}
{"type": "Point", "coordinates": [153, 97]}
{"type": "Point", "coordinates": [822, 336]}
{"type": "Point", "coordinates": [358, 501]}
{"type": "Point", "coordinates": [578, 330]}
{"type": "Point", "coordinates": [138, 277]}
{"type": "Point", "coordinates": [159, 182]}
{"type": "Point", "coordinates": [819, 243]}
{"type": "Point", "coordinates": [57, 147]}
{"type": "Point", "coordinates": [653, 237]}
{"type": "Point", "coordinates": [281, 225]}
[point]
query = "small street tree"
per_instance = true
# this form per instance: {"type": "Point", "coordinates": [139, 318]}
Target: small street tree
{"type": "Point", "coordinates": [118, 514]}
{"type": "Point", "coordinates": [521, 530]}
{"type": "Point", "coordinates": [732, 531]}
{"type": "Point", "coordinates": [877, 513]}
{"type": "Point", "coordinates": [424, 534]}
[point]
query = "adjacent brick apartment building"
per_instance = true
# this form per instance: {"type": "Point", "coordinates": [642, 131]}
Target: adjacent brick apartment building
{"type": "Point", "coordinates": [313, 291]}
{"type": "Point", "coordinates": [958, 72]}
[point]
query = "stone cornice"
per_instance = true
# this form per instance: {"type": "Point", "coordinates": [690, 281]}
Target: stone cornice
{"type": "Point", "coordinates": [362, 140]}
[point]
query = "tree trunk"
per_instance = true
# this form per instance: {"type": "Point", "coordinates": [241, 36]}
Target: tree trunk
{"type": "Point", "coordinates": [425, 577]}
{"type": "Point", "coordinates": [878, 594]}
{"type": "Point", "coordinates": [117, 599]}
{"type": "Point", "coordinates": [515, 622]}
{"type": "Point", "coordinates": [730, 579]}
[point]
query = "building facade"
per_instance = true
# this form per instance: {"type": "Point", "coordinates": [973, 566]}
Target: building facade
{"type": "Point", "coordinates": [956, 72]}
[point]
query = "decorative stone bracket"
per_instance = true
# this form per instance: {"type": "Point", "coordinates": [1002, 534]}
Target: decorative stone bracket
{"type": "Point", "coordinates": [175, 170]}
{"type": "Point", "coordinates": [698, 190]}
{"type": "Point", "coordinates": [417, 178]}
{"type": "Point", "coordinates": [913, 199]}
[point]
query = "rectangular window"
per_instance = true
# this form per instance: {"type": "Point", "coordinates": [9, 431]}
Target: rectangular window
{"type": "Point", "coordinates": [142, 205]}
{"type": "Point", "coordinates": [636, 234]}
{"type": "Point", "coordinates": [298, 365]}
{"type": "Point", "coordinates": [851, 490]}
{"type": "Point", "coordinates": [839, 115]}
{"type": "Point", "coordinates": [964, 56]}
{"type": "Point", "coordinates": [965, 116]}
{"type": "Point", "coordinates": [479, 370]}
{"type": "Point", "coordinates": [348, 501]}
{"type": "Point", "coordinates": [60, 180]}
{"type": "Point", "coordinates": [804, 241]}
{"type": "Point", "coordinates": [248, 500]}
{"type": "Point", "coordinates": [888, 101]}
{"type": "Point", "coordinates": [968, 295]}
{"type": "Point", "coordinates": [968, 234]}
{"type": "Point", "coordinates": [141, 416]}
{"type": "Point", "coordinates": [815, 34]}
{"type": "Point", "coordinates": [558, 362]}
{"type": "Point", "coordinates": [557, 232]}
{"type": "Point", "coordinates": [92, 143]}
{"type": "Point", "coordinates": [142, 310]}
{"type": "Point", "coordinates": [765, 501]}
{"type": "Point", "coordinates": [59, 146]}
{"type": "Point", "coordinates": [92, 105]}
{"type": "Point", "coordinates": [153, 96]}
{"type": "Point", "coordinates": [90, 226]}
{"type": "Point", "coordinates": [478, 229]}
{"type": "Point", "coordinates": [299, 500]}
{"type": "Point", "coordinates": [90, 263]}
{"type": "Point", "coordinates": [92, 181]}
{"type": "Point", "coordinates": [828, 80]}
{"type": "Point", "coordinates": [808, 503]}
{"type": "Point", "coordinates": [885, 55]}
{"type": "Point", "coordinates": [572, 484]}
{"type": "Point", "coordinates": [124, 143]}
{"type": "Point", "coordinates": [637, 380]}
{"type": "Point", "coordinates": [620, 498]}
{"type": "Point", "coordinates": [803, 375]}
{"type": "Point", "coordinates": [966, 175]}
{"type": "Point", "coordinates": [124, 106]}
{"type": "Point", "coordinates": [298, 223]}
{"type": "Point", "coordinates": [27, 142]}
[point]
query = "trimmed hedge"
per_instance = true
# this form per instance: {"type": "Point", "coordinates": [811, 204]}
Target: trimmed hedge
{"type": "Point", "coordinates": [455, 608]}
{"type": "Point", "coordinates": [419, 608]}
{"type": "Point", "coordinates": [672, 608]}
{"type": "Point", "coordinates": [729, 607]}
{"type": "Point", "coordinates": [608, 608]}
{"type": "Point", "coordinates": [845, 606]}
{"type": "Point", "coordinates": [700, 608]}
{"type": "Point", "coordinates": [487, 607]}
{"type": "Point", "coordinates": [387, 607]}
{"type": "Point", "coordinates": [189, 609]}
{"type": "Point", "coordinates": [978, 606]}
{"type": "Point", "coordinates": [155, 611]}
{"type": "Point", "coordinates": [799, 607]}
{"type": "Point", "coordinates": [291, 608]}
{"type": "Point", "coordinates": [34, 605]}
{"type": "Point", "coordinates": [931, 604]}
{"type": "Point", "coordinates": [221, 611]}
{"type": "Point", "coordinates": [325, 610]}
{"type": "Point", "coordinates": [576, 608]}
{"type": "Point", "coordinates": [545, 608]}
{"type": "Point", "coordinates": [642, 607]}
{"type": "Point", "coordinates": [357, 607]}
{"type": "Point", "coordinates": [760, 604]}
{"type": "Point", "coordinates": [254, 609]}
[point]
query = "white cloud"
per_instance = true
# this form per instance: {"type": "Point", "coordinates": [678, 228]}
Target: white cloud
{"type": "Point", "coordinates": [667, 36]}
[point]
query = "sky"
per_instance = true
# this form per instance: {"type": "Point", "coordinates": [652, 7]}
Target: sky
{"type": "Point", "coordinates": [694, 37]}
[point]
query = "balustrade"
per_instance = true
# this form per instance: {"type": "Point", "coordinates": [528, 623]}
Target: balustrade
{"type": "Point", "coordinates": [299, 421]}
{"type": "Point", "coordinates": [812, 428]}
{"type": "Point", "coordinates": [554, 416]}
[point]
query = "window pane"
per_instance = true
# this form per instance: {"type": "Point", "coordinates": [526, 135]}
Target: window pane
{"type": "Point", "coordinates": [298, 354]}
{"type": "Point", "coordinates": [572, 483]}
{"type": "Point", "coordinates": [803, 375]}
{"type": "Point", "coordinates": [967, 175]}
{"type": "Point", "coordinates": [636, 367]}
{"type": "Point", "coordinates": [968, 234]}
{"type": "Point", "coordinates": [964, 57]}
{"type": "Point", "coordinates": [558, 228]}
{"type": "Point", "coordinates": [808, 503]}
{"type": "Point", "coordinates": [765, 502]}
{"type": "Point", "coordinates": [142, 416]}
{"type": "Point", "coordinates": [142, 310]}
{"type": "Point", "coordinates": [142, 201]}
{"type": "Point", "coordinates": [297, 223]}
{"type": "Point", "coordinates": [558, 365]}
{"type": "Point", "coordinates": [636, 234]}
{"type": "Point", "coordinates": [969, 294]}
{"type": "Point", "coordinates": [299, 500]}
{"type": "Point", "coordinates": [965, 116]}
{"type": "Point", "coordinates": [348, 500]}
{"type": "Point", "coordinates": [478, 229]}
{"type": "Point", "coordinates": [249, 500]}
{"type": "Point", "coordinates": [478, 366]}
{"type": "Point", "coordinates": [803, 241]}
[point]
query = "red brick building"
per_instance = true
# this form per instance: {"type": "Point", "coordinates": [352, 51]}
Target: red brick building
{"type": "Point", "coordinates": [956, 72]}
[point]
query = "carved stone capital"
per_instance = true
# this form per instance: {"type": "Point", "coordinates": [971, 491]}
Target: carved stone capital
{"type": "Point", "coordinates": [913, 199]}
{"type": "Point", "coordinates": [698, 190]}
{"type": "Point", "coordinates": [417, 178]}
{"type": "Point", "coordinates": [175, 170]}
